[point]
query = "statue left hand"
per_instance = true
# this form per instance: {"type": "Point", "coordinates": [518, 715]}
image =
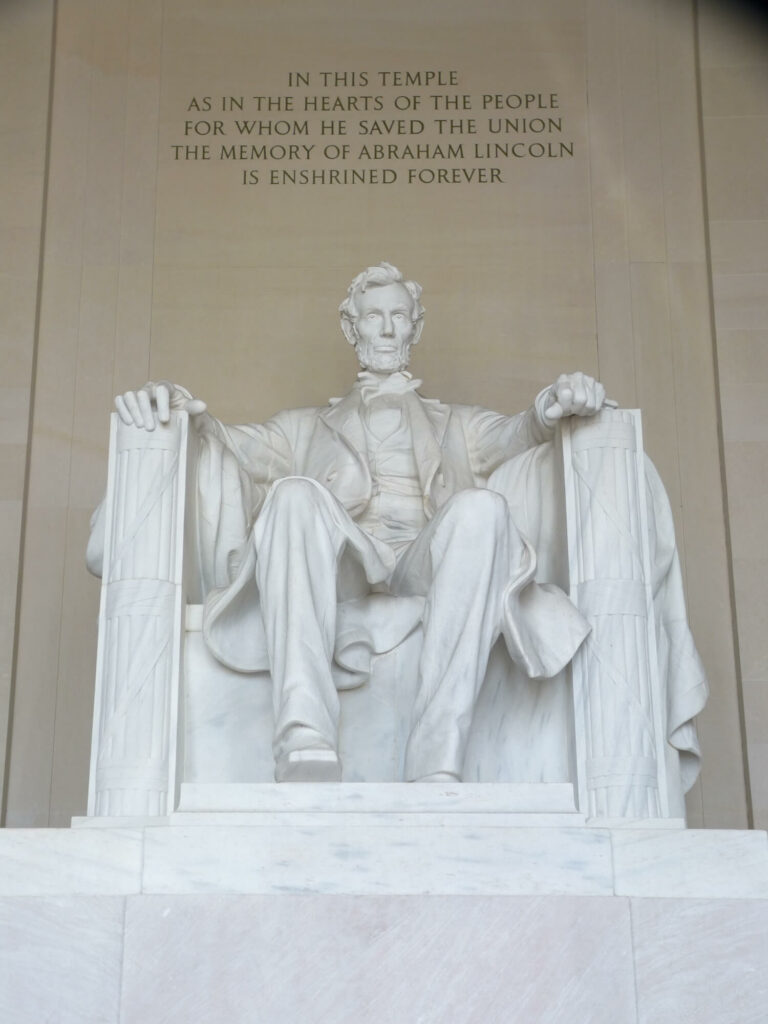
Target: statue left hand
{"type": "Point", "coordinates": [574, 394]}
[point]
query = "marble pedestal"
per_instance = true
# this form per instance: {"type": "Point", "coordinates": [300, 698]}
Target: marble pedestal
{"type": "Point", "coordinates": [429, 914]}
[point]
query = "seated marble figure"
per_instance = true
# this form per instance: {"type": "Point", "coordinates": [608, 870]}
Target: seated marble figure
{"type": "Point", "coordinates": [382, 491]}
{"type": "Point", "coordinates": [391, 479]}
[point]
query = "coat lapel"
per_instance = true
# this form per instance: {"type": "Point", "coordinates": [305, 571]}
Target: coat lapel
{"type": "Point", "coordinates": [343, 417]}
{"type": "Point", "coordinates": [429, 422]}
{"type": "Point", "coordinates": [428, 419]}
{"type": "Point", "coordinates": [339, 452]}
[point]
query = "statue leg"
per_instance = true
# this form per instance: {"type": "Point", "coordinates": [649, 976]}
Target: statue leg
{"type": "Point", "coordinates": [461, 563]}
{"type": "Point", "coordinates": [298, 544]}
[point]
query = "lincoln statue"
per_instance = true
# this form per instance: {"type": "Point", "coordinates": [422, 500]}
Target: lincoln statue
{"type": "Point", "coordinates": [381, 491]}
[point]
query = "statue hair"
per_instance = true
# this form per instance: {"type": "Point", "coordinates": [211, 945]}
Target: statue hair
{"type": "Point", "coordinates": [377, 277]}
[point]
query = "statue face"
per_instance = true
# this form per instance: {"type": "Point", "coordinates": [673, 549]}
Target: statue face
{"type": "Point", "coordinates": [384, 330]}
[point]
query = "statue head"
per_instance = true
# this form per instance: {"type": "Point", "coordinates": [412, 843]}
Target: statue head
{"type": "Point", "coordinates": [382, 317]}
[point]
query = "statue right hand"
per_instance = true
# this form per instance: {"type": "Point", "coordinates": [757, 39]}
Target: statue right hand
{"type": "Point", "coordinates": [152, 404]}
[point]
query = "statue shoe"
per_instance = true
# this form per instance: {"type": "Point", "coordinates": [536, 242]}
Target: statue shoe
{"type": "Point", "coordinates": [315, 764]}
{"type": "Point", "coordinates": [439, 777]}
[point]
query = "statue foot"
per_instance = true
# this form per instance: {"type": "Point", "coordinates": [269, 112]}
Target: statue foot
{"type": "Point", "coordinates": [316, 764]}
{"type": "Point", "coordinates": [439, 777]}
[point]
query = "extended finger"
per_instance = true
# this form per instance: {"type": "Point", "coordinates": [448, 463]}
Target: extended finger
{"type": "Point", "coordinates": [595, 397]}
{"type": "Point", "coordinates": [133, 408]}
{"type": "Point", "coordinates": [146, 409]}
{"type": "Point", "coordinates": [163, 402]}
{"type": "Point", "coordinates": [122, 411]}
{"type": "Point", "coordinates": [564, 398]}
{"type": "Point", "coordinates": [580, 400]}
{"type": "Point", "coordinates": [590, 404]}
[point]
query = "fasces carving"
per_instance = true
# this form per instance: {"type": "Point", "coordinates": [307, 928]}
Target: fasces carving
{"type": "Point", "coordinates": [327, 536]}
{"type": "Point", "coordinates": [615, 675]}
{"type": "Point", "coordinates": [136, 712]}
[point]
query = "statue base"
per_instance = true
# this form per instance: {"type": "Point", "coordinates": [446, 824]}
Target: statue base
{"type": "Point", "coordinates": [376, 915]}
{"type": "Point", "coordinates": [511, 805]}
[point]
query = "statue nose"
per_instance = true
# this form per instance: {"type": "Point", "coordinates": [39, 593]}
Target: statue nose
{"type": "Point", "coordinates": [387, 326]}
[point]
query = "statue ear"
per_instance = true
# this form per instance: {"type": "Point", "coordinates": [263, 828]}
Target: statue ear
{"type": "Point", "coordinates": [350, 333]}
{"type": "Point", "coordinates": [417, 332]}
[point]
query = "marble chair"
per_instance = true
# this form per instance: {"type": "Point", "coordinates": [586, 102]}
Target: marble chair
{"type": "Point", "coordinates": [609, 739]}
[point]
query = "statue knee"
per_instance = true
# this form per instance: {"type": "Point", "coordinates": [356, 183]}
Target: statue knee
{"type": "Point", "coordinates": [294, 499]}
{"type": "Point", "coordinates": [479, 512]}
{"type": "Point", "coordinates": [293, 491]}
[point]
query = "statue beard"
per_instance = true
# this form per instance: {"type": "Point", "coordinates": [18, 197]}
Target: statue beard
{"type": "Point", "coordinates": [382, 362]}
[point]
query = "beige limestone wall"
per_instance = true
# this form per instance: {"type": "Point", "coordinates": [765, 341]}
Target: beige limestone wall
{"type": "Point", "coordinates": [26, 40]}
{"type": "Point", "coordinates": [94, 324]}
{"type": "Point", "coordinates": [734, 89]}
{"type": "Point", "coordinates": [161, 266]}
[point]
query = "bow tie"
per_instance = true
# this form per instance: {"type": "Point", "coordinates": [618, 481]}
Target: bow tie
{"type": "Point", "coordinates": [374, 385]}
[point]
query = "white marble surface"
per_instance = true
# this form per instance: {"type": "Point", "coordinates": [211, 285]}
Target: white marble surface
{"type": "Point", "coordinates": [701, 961]}
{"type": "Point", "coordinates": [228, 720]}
{"type": "Point", "coordinates": [381, 797]}
{"type": "Point", "coordinates": [690, 862]}
{"type": "Point", "coordinates": [40, 861]}
{"type": "Point", "coordinates": [228, 717]}
{"type": "Point", "coordinates": [383, 859]}
{"type": "Point", "coordinates": [345, 960]}
{"type": "Point", "coordinates": [425, 849]}
{"type": "Point", "coordinates": [394, 921]}
{"type": "Point", "coordinates": [60, 959]}
{"type": "Point", "coordinates": [134, 746]}
{"type": "Point", "coordinates": [617, 694]}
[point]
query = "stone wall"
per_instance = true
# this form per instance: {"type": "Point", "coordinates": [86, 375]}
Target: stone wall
{"type": "Point", "coordinates": [734, 92]}
{"type": "Point", "coordinates": [26, 41]}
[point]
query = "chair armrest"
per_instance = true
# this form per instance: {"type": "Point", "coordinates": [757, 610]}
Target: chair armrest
{"type": "Point", "coordinates": [134, 747]}
{"type": "Point", "coordinates": [619, 720]}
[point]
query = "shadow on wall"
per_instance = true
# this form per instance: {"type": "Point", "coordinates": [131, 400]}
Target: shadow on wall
{"type": "Point", "coordinates": [753, 12]}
